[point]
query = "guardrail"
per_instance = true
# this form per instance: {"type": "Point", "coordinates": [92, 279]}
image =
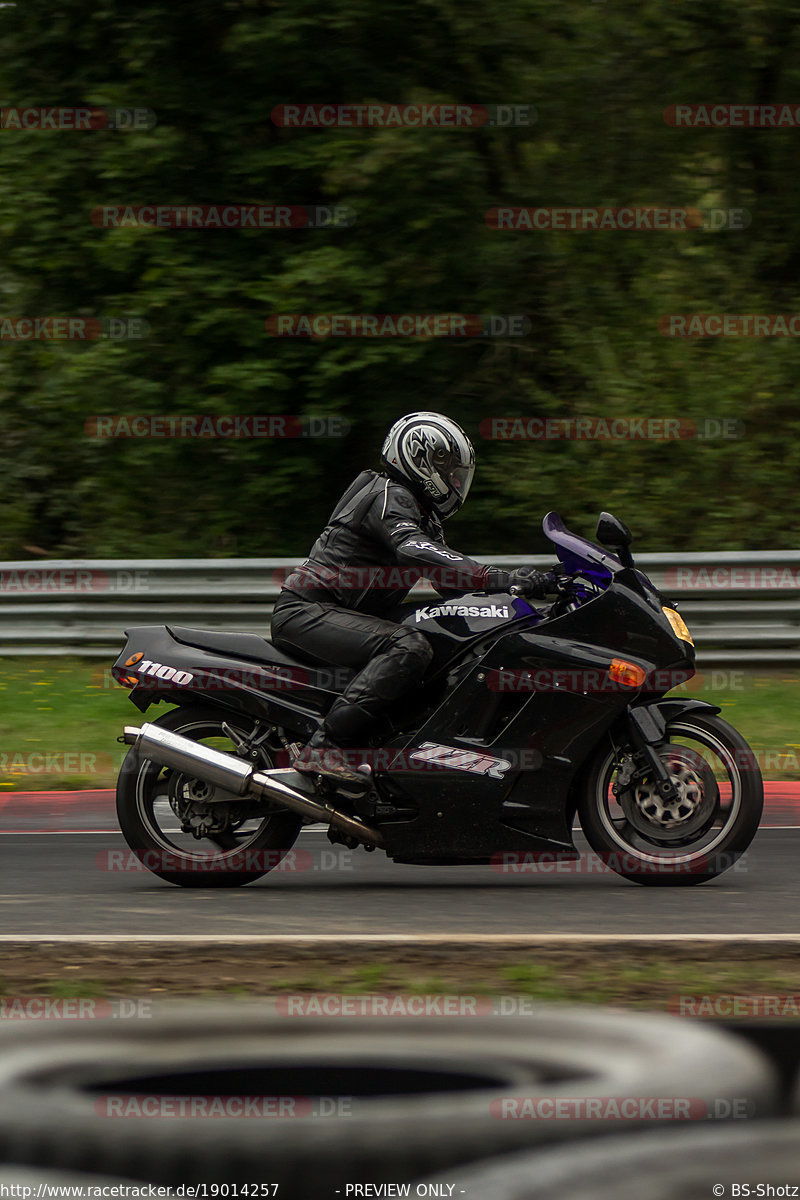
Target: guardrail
{"type": "Point", "coordinates": [743, 607]}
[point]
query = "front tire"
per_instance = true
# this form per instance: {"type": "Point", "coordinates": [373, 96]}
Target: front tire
{"type": "Point", "coordinates": [146, 797]}
{"type": "Point", "coordinates": [722, 798]}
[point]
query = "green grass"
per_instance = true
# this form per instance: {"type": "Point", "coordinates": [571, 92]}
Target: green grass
{"type": "Point", "coordinates": [765, 708]}
{"type": "Point", "coordinates": [681, 980]}
{"type": "Point", "coordinates": [60, 718]}
{"type": "Point", "coordinates": [59, 721]}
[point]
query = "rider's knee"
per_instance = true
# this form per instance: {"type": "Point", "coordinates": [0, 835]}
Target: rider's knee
{"type": "Point", "coordinates": [416, 646]}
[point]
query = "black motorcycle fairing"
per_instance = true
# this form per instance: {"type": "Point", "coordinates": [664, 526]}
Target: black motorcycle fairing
{"type": "Point", "coordinates": [622, 619]}
{"type": "Point", "coordinates": [527, 808]}
{"type": "Point", "coordinates": [672, 707]}
{"type": "Point", "coordinates": [466, 623]}
{"type": "Point", "coordinates": [283, 692]}
{"type": "Point", "coordinates": [545, 733]}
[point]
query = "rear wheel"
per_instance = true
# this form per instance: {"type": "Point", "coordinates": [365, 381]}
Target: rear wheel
{"type": "Point", "coordinates": [686, 841]}
{"type": "Point", "coordinates": [187, 831]}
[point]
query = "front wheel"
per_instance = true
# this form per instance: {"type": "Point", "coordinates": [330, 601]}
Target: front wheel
{"type": "Point", "coordinates": [187, 832]}
{"type": "Point", "coordinates": [691, 839]}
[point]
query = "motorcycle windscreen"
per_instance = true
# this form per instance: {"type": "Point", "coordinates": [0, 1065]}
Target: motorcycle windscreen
{"type": "Point", "coordinates": [578, 554]}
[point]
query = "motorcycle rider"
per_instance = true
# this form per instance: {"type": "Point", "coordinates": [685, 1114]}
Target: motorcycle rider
{"type": "Point", "coordinates": [334, 609]}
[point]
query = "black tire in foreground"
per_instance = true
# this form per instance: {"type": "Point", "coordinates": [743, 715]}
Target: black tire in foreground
{"type": "Point", "coordinates": [779, 1040]}
{"type": "Point", "coordinates": [337, 1100]}
{"type": "Point", "coordinates": [672, 1164]}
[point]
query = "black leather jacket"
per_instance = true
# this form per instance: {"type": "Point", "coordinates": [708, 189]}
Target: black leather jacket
{"type": "Point", "coordinates": [379, 541]}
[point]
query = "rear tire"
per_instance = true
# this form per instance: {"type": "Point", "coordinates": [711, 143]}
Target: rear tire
{"type": "Point", "coordinates": [231, 865]}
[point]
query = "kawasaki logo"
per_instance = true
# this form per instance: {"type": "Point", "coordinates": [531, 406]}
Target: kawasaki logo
{"type": "Point", "coordinates": [461, 610]}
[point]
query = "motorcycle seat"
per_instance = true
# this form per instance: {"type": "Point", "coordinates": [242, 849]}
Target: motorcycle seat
{"type": "Point", "coordinates": [250, 646]}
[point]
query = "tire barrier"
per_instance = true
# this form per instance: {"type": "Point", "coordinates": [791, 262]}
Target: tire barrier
{"type": "Point", "coordinates": [330, 1101]}
{"type": "Point", "coordinates": [688, 1164]}
{"type": "Point", "coordinates": [779, 1040]}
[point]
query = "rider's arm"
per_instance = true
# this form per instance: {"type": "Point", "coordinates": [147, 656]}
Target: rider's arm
{"type": "Point", "coordinates": [396, 520]}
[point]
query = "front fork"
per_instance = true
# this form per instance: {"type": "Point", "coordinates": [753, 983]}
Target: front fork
{"type": "Point", "coordinates": [647, 728]}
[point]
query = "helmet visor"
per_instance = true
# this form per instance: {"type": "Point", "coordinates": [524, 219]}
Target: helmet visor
{"type": "Point", "coordinates": [461, 481]}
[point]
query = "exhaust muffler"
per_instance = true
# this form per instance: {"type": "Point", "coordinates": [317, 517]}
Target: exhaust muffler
{"type": "Point", "coordinates": [234, 775]}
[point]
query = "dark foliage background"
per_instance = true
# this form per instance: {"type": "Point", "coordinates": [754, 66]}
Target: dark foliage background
{"type": "Point", "coordinates": [600, 76]}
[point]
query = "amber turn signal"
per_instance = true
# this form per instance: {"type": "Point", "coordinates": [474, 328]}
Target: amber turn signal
{"type": "Point", "coordinates": [626, 673]}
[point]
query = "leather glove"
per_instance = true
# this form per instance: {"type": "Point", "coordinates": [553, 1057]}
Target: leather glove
{"type": "Point", "coordinates": [526, 580]}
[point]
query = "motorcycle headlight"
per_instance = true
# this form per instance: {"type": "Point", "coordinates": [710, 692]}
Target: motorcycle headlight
{"type": "Point", "coordinates": [679, 626]}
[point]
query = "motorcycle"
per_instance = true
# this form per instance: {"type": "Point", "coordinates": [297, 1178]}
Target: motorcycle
{"type": "Point", "coordinates": [528, 717]}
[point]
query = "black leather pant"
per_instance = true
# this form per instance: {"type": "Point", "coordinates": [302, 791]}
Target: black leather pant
{"type": "Point", "coordinates": [389, 658]}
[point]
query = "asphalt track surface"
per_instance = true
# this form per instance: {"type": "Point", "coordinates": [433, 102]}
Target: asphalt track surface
{"type": "Point", "coordinates": [65, 870]}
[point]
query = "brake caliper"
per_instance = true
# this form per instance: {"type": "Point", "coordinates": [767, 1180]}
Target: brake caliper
{"type": "Point", "coordinates": [190, 801]}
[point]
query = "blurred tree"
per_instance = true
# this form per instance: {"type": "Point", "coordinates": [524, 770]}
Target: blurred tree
{"type": "Point", "coordinates": [600, 76]}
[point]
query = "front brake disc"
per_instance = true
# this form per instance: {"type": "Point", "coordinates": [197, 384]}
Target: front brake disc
{"type": "Point", "coordinates": [679, 820]}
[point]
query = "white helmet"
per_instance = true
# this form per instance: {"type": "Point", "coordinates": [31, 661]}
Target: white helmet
{"type": "Point", "coordinates": [434, 455]}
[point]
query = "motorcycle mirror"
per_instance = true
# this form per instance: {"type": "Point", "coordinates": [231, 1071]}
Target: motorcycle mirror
{"type": "Point", "coordinates": [615, 534]}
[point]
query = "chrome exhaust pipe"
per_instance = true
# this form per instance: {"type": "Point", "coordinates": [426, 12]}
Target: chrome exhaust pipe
{"type": "Point", "coordinates": [234, 775]}
{"type": "Point", "coordinates": [171, 750]}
